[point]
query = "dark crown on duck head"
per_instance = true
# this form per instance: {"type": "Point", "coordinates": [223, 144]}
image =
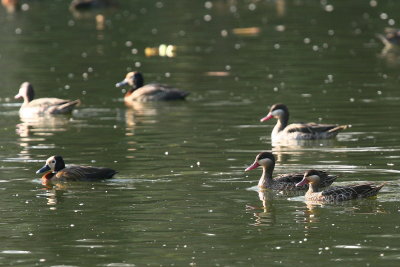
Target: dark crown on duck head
{"type": "Point", "coordinates": [311, 172]}
{"type": "Point", "coordinates": [59, 163]}
{"type": "Point", "coordinates": [314, 173]}
{"type": "Point", "coordinates": [266, 155]}
{"type": "Point", "coordinates": [279, 106]}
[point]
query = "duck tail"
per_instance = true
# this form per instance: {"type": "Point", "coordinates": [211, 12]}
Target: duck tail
{"type": "Point", "coordinates": [379, 187]}
{"type": "Point", "coordinates": [374, 189]}
{"type": "Point", "coordinates": [338, 128]}
{"type": "Point", "coordinates": [68, 107]}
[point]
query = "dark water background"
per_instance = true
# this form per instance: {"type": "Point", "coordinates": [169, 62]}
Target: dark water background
{"type": "Point", "coordinates": [181, 196]}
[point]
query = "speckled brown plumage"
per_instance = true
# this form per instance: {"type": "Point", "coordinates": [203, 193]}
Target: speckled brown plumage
{"type": "Point", "coordinates": [337, 193]}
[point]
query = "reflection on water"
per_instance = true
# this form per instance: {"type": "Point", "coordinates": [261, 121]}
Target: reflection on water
{"type": "Point", "coordinates": [267, 215]}
{"type": "Point", "coordinates": [34, 130]}
{"type": "Point", "coordinates": [140, 113]}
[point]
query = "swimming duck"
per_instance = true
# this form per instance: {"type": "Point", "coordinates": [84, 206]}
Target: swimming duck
{"type": "Point", "coordinates": [11, 5]}
{"type": "Point", "coordinates": [56, 171]}
{"type": "Point", "coordinates": [298, 131]}
{"type": "Point", "coordinates": [337, 193]}
{"type": "Point", "coordinates": [148, 92]}
{"type": "Point", "coordinates": [390, 37]}
{"type": "Point", "coordinates": [88, 4]}
{"type": "Point", "coordinates": [283, 182]}
{"type": "Point", "coordinates": [42, 106]}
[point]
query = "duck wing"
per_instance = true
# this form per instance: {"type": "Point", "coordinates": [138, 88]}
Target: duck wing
{"type": "Point", "coordinates": [310, 127]}
{"type": "Point", "coordinates": [313, 130]}
{"type": "Point", "coordinates": [47, 101]}
{"type": "Point", "coordinates": [85, 173]}
{"type": "Point", "coordinates": [342, 193]}
{"type": "Point", "coordinates": [51, 105]}
{"type": "Point", "coordinates": [156, 92]}
{"type": "Point", "coordinates": [289, 181]}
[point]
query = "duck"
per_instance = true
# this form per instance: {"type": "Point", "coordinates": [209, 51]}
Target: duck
{"type": "Point", "coordinates": [337, 193]}
{"type": "Point", "coordinates": [55, 171]}
{"type": "Point", "coordinates": [88, 4]}
{"type": "Point", "coordinates": [11, 5]}
{"type": "Point", "coordinates": [391, 37]}
{"type": "Point", "coordinates": [42, 106]}
{"type": "Point", "coordinates": [148, 92]}
{"type": "Point", "coordinates": [298, 131]}
{"type": "Point", "coordinates": [285, 182]}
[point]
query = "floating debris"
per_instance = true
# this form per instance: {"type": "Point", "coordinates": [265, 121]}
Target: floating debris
{"type": "Point", "coordinates": [251, 31]}
{"type": "Point", "coordinates": [163, 51]}
{"type": "Point", "coordinates": [217, 73]}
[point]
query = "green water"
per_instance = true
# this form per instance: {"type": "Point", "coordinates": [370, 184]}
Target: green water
{"type": "Point", "coordinates": [181, 197]}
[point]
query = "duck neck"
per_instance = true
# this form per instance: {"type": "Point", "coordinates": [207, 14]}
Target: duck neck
{"type": "Point", "coordinates": [26, 100]}
{"type": "Point", "coordinates": [28, 97]}
{"type": "Point", "coordinates": [282, 122]}
{"type": "Point", "coordinates": [266, 177]}
{"type": "Point", "coordinates": [312, 188]}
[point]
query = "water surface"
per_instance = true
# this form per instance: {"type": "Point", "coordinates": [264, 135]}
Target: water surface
{"type": "Point", "coordinates": [181, 196]}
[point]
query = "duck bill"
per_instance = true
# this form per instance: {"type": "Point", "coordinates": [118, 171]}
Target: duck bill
{"type": "Point", "coordinates": [120, 84]}
{"type": "Point", "coordinates": [252, 167]}
{"type": "Point", "coordinates": [18, 96]}
{"type": "Point", "coordinates": [268, 117]}
{"type": "Point", "coordinates": [302, 182]}
{"type": "Point", "coordinates": [45, 168]}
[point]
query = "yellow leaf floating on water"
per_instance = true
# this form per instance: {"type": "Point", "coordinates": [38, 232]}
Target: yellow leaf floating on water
{"type": "Point", "coordinates": [251, 31]}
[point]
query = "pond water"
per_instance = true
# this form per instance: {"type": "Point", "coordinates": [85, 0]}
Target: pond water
{"type": "Point", "coordinates": [181, 196]}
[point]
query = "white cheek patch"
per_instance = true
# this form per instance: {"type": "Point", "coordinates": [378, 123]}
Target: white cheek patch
{"type": "Point", "coordinates": [265, 162]}
{"type": "Point", "coordinates": [277, 112]}
{"type": "Point", "coordinates": [50, 163]}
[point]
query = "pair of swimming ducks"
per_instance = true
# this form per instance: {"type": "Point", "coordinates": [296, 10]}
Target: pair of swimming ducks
{"type": "Point", "coordinates": [137, 92]}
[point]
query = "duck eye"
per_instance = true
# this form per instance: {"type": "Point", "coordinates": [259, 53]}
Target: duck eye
{"type": "Point", "coordinates": [53, 161]}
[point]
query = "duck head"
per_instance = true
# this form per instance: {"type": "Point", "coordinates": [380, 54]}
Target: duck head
{"type": "Point", "coordinates": [277, 111]}
{"type": "Point", "coordinates": [26, 92]}
{"type": "Point", "coordinates": [54, 164]}
{"type": "Point", "coordinates": [310, 177]}
{"type": "Point", "coordinates": [134, 79]}
{"type": "Point", "coordinates": [263, 159]}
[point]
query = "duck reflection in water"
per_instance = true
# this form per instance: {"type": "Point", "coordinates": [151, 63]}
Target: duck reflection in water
{"type": "Point", "coordinates": [267, 215]}
{"type": "Point", "coordinates": [32, 131]}
{"type": "Point", "coordinates": [53, 194]}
